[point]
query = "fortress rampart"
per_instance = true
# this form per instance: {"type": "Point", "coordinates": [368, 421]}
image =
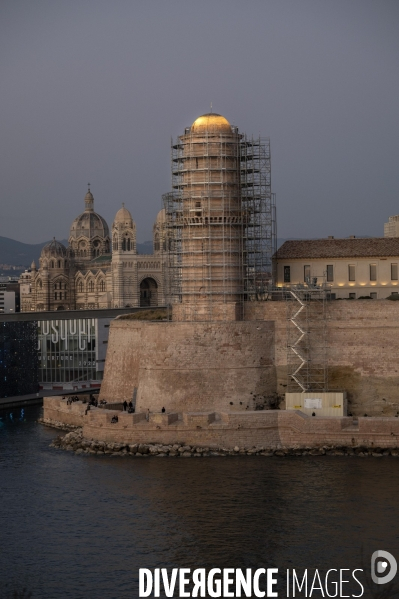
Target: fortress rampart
{"type": "Point", "coordinates": [267, 429]}
{"type": "Point", "coordinates": [209, 377]}
{"type": "Point", "coordinates": [187, 366]}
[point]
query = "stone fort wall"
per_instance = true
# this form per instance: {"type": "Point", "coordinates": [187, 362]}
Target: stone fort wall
{"type": "Point", "coordinates": [267, 429]}
{"type": "Point", "coordinates": [186, 365]}
{"type": "Point", "coordinates": [205, 366]}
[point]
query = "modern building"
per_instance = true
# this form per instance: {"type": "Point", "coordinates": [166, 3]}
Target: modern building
{"type": "Point", "coordinates": [19, 367]}
{"type": "Point", "coordinates": [7, 301]}
{"type": "Point", "coordinates": [98, 269]}
{"type": "Point", "coordinates": [391, 228]}
{"type": "Point", "coordinates": [71, 352]}
{"type": "Point", "coordinates": [56, 351]}
{"type": "Point", "coordinates": [352, 268]}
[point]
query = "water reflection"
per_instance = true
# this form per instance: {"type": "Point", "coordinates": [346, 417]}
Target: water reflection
{"type": "Point", "coordinates": [82, 526]}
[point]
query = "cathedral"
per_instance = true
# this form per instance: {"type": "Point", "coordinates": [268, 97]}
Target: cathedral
{"type": "Point", "coordinates": [97, 270]}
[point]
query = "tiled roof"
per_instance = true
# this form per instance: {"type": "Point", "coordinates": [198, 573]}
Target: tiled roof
{"type": "Point", "coordinates": [339, 248]}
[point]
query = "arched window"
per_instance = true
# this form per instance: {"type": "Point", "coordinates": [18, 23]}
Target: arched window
{"type": "Point", "coordinates": [124, 245]}
{"type": "Point", "coordinates": [101, 286]}
{"type": "Point", "coordinates": [156, 242]}
{"type": "Point", "coordinates": [80, 287]}
{"type": "Point", "coordinates": [59, 263]}
{"type": "Point", "coordinates": [115, 243]}
{"type": "Point", "coordinates": [55, 295]}
{"type": "Point", "coordinates": [39, 284]}
{"type": "Point", "coordinates": [52, 264]}
{"type": "Point", "coordinates": [90, 287]}
{"type": "Point", "coordinates": [128, 245]}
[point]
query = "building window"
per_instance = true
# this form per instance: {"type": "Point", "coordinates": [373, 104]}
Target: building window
{"type": "Point", "coordinates": [306, 273]}
{"type": "Point", "coordinates": [352, 296]}
{"type": "Point", "coordinates": [373, 295]}
{"type": "Point", "coordinates": [80, 287]}
{"type": "Point", "coordinates": [90, 287]}
{"type": "Point", "coordinates": [101, 286]}
{"type": "Point", "coordinates": [330, 273]}
{"type": "Point", "coordinates": [287, 274]}
{"type": "Point", "coordinates": [55, 295]}
{"type": "Point", "coordinates": [394, 272]}
{"type": "Point", "coordinates": [351, 273]}
{"type": "Point", "coordinates": [373, 272]}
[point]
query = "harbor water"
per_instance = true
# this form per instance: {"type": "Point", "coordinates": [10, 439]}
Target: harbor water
{"type": "Point", "coordinates": [81, 526]}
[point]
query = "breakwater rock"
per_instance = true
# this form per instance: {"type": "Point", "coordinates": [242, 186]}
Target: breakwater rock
{"type": "Point", "coordinates": [74, 441]}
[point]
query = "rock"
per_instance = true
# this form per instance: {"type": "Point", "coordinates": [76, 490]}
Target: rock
{"type": "Point", "coordinates": [267, 453]}
{"type": "Point", "coordinates": [197, 455]}
{"type": "Point", "coordinates": [376, 455]}
{"type": "Point", "coordinates": [280, 453]}
{"type": "Point", "coordinates": [173, 454]}
{"type": "Point", "coordinates": [79, 451]}
{"type": "Point", "coordinates": [236, 449]}
{"type": "Point", "coordinates": [317, 452]}
{"type": "Point", "coordinates": [161, 455]}
{"type": "Point", "coordinates": [133, 448]}
{"type": "Point", "coordinates": [185, 454]}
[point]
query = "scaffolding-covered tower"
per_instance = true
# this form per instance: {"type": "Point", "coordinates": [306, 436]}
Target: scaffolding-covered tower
{"type": "Point", "coordinates": [220, 221]}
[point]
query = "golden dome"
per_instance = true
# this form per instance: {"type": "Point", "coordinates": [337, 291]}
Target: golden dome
{"type": "Point", "coordinates": [210, 122]}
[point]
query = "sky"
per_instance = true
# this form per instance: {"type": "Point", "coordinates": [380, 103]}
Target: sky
{"type": "Point", "coordinates": [94, 90]}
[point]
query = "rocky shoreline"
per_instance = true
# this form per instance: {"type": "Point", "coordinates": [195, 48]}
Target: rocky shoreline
{"type": "Point", "coordinates": [75, 442]}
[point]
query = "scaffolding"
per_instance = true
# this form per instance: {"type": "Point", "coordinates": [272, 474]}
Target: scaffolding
{"type": "Point", "coordinates": [259, 205]}
{"type": "Point", "coordinates": [307, 350]}
{"type": "Point", "coordinates": [220, 223]}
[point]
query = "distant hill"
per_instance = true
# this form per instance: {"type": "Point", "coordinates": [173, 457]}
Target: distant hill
{"type": "Point", "coordinates": [17, 253]}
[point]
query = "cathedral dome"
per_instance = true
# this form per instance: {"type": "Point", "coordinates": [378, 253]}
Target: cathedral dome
{"type": "Point", "coordinates": [89, 224]}
{"type": "Point", "coordinates": [123, 217]}
{"type": "Point", "coordinates": [161, 217]}
{"type": "Point", "coordinates": [211, 122]}
{"type": "Point", "coordinates": [53, 249]}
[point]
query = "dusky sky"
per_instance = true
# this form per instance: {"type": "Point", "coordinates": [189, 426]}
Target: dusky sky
{"type": "Point", "coordinates": [93, 91]}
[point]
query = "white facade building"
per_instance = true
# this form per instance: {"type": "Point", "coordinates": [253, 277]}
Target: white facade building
{"type": "Point", "coordinates": [352, 268]}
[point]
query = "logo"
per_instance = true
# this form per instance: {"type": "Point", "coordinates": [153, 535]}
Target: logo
{"type": "Point", "coordinates": [384, 563]}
